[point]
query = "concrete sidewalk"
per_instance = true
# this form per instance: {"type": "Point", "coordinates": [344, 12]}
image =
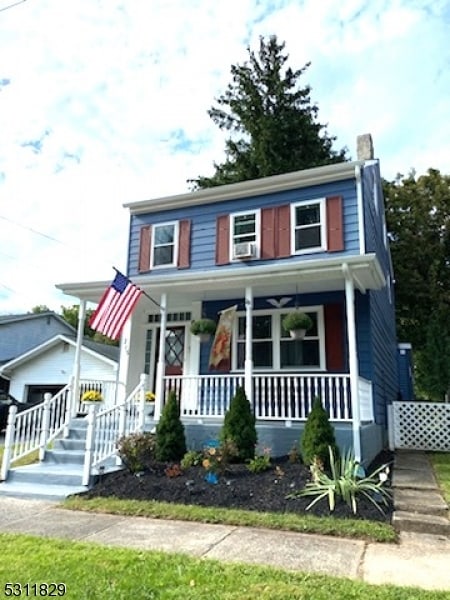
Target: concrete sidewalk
{"type": "Point", "coordinates": [419, 560]}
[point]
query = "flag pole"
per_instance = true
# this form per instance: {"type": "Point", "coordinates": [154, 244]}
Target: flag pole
{"type": "Point", "coordinates": [143, 292]}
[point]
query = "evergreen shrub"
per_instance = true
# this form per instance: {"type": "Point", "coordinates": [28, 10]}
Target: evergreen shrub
{"type": "Point", "coordinates": [317, 437]}
{"type": "Point", "coordinates": [240, 426]}
{"type": "Point", "coordinates": [170, 438]}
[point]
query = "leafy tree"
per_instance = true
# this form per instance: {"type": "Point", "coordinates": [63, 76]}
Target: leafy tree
{"type": "Point", "coordinates": [170, 438]}
{"type": "Point", "coordinates": [239, 426]}
{"type": "Point", "coordinates": [70, 314]}
{"type": "Point", "coordinates": [418, 221]}
{"type": "Point", "coordinates": [40, 308]}
{"type": "Point", "coordinates": [318, 436]}
{"type": "Point", "coordinates": [273, 124]}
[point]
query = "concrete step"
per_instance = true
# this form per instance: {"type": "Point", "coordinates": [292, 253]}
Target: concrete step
{"type": "Point", "coordinates": [69, 444]}
{"type": "Point", "coordinates": [428, 502]}
{"type": "Point", "coordinates": [74, 457]}
{"type": "Point", "coordinates": [420, 523]}
{"type": "Point", "coordinates": [414, 479]}
{"type": "Point", "coordinates": [47, 474]}
{"type": "Point", "coordinates": [39, 492]}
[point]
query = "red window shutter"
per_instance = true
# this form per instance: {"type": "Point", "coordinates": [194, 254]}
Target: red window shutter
{"type": "Point", "coordinates": [335, 233]}
{"type": "Point", "coordinates": [184, 244]}
{"type": "Point", "coordinates": [334, 337]}
{"type": "Point", "coordinates": [268, 223]}
{"type": "Point", "coordinates": [223, 240]}
{"type": "Point", "coordinates": [283, 231]}
{"type": "Point", "coordinates": [144, 248]}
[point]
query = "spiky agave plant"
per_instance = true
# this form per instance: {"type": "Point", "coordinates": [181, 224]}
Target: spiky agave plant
{"type": "Point", "coordinates": [346, 481]}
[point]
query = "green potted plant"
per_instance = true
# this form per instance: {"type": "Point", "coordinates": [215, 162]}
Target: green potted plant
{"type": "Point", "coordinates": [297, 323]}
{"type": "Point", "coordinates": [203, 328]}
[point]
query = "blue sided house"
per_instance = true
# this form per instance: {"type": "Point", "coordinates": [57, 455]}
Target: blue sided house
{"type": "Point", "coordinates": [245, 255]}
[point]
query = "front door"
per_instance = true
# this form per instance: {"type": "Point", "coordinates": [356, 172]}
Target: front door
{"type": "Point", "coordinates": [174, 350]}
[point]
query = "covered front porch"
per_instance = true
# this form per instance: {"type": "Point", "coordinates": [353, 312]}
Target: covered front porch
{"type": "Point", "coordinates": [157, 341]}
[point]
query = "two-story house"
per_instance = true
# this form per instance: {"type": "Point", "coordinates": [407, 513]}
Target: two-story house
{"type": "Point", "coordinates": [313, 240]}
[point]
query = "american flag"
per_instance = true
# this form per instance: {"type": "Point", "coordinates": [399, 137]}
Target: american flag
{"type": "Point", "coordinates": [115, 307]}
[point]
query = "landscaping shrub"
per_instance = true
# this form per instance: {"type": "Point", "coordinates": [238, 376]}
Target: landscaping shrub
{"type": "Point", "coordinates": [170, 438]}
{"type": "Point", "coordinates": [317, 436]}
{"type": "Point", "coordinates": [240, 426]}
{"type": "Point", "coordinates": [136, 450]}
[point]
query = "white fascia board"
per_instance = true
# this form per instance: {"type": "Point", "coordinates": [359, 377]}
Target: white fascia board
{"type": "Point", "coordinates": [37, 350]}
{"type": "Point", "coordinates": [248, 275]}
{"type": "Point", "coordinates": [245, 189]}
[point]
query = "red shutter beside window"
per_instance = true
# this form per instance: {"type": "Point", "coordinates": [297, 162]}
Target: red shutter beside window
{"type": "Point", "coordinates": [223, 240]}
{"type": "Point", "coordinates": [335, 225]}
{"type": "Point", "coordinates": [184, 244]}
{"type": "Point", "coordinates": [144, 248]}
{"type": "Point", "coordinates": [334, 337]}
{"type": "Point", "coordinates": [268, 225]}
{"type": "Point", "coordinates": [283, 231]}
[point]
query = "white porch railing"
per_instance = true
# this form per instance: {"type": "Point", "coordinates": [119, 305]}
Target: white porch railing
{"type": "Point", "coordinates": [34, 428]}
{"type": "Point", "coordinates": [106, 388]}
{"type": "Point", "coordinates": [277, 396]}
{"type": "Point", "coordinates": [365, 400]}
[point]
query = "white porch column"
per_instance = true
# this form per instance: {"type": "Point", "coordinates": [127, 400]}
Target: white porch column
{"type": "Point", "coordinates": [122, 375]}
{"type": "Point", "coordinates": [248, 365]}
{"type": "Point", "coordinates": [77, 360]}
{"type": "Point", "coordinates": [352, 359]}
{"type": "Point", "coordinates": [161, 365]}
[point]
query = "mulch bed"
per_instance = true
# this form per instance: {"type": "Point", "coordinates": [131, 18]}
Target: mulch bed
{"type": "Point", "coordinates": [236, 488]}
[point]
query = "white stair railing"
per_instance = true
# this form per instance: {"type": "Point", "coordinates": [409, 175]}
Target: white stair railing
{"type": "Point", "coordinates": [32, 429]}
{"type": "Point", "coordinates": [106, 427]}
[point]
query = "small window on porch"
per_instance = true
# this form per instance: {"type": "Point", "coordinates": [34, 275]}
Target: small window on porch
{"type": "Point", "coordinates": [262, 342]}
{"type": "Point", "coordinates": [308, 226]}
{"type": "Point", "coordinates": [164, 245]}
{"type": "Point", "coordinates": [300, 353]}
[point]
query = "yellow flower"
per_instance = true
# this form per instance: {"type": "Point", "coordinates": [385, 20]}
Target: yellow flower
{"type": "Point", "coordinates": [91, 396]}
{"type": "Point", "coordinates": [206, 463]}
{"type": "Point", "coordinates": [149, 396]}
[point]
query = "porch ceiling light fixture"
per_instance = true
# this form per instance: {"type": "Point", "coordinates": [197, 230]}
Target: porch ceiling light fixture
{"type": "Point", "coordinates": [279, 303]}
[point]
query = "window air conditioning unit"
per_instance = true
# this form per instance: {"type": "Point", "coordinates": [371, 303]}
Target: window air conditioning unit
{"type": "Point", "coordinates": [244, 250]}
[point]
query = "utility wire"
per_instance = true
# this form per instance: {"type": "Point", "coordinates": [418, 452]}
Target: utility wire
{"type": "Point", "coordinates": [12, 5]}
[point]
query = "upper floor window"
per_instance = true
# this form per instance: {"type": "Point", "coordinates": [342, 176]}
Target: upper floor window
{"type": "Point", "coordinates": [164, 245]}
{"type": "Point", "coordinates": [308, 226]}
{"type": "Point", "coordinates": [244, 235]}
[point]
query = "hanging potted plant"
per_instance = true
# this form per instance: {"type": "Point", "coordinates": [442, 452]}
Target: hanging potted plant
{"type": "Point", "coordinates": [203, 328]}
{"type": "Point", "coordinates": [297, 323]}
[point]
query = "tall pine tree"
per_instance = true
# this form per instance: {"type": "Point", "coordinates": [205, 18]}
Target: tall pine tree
{"type": "Point", "coordinates": [273, 124]}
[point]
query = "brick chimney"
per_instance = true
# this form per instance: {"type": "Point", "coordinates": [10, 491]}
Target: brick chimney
{"type": "Point", "coordinates": [364, 147]}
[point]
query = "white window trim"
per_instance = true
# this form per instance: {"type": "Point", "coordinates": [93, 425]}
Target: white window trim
{"type": "Point", "coordinates": [175, 245]}
{"type": "Point", "coordinates": [276, 340]}
{"type": "Point", "coordinates": [323, 226]}
{"type": "Point", "coordinates": [257, 214]}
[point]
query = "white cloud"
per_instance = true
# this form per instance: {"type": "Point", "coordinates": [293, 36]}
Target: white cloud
{"type": "Point", "coordinates": [106, 103]}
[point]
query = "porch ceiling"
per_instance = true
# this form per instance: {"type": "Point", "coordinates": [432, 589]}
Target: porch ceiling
{"type": "Point", "coordinates": [289, 278]}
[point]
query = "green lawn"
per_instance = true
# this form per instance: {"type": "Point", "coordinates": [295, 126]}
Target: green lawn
{"type": "Point", "coordinates": [91, 571]}
{"type": "Point", "coordinates": [441, 465]}
{"type": "Point", "coordinates": [352, 528]}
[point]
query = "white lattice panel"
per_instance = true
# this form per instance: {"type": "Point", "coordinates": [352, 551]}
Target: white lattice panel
{"type": "Point", "coordinates": [422, 426]}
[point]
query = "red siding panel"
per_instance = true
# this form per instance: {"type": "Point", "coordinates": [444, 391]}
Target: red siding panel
{"type": "Point", "coordinates": [335, 224]}
{"type": "Point", "coordinates": [144, 248]}
{"type": "Point", "coordinates": [283, 231]}
{"type": "Point", "coordinates": [268, 233]}
{"type": "Point", "coordinates": [184, 244]}
{"type": "Point", "coordinates": [223, 240]}
{"type": "Point", "coordinates": [334, 337]}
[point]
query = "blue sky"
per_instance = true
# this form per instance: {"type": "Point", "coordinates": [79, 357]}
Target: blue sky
{"type": "Point", "coordinates": [105, 101]}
